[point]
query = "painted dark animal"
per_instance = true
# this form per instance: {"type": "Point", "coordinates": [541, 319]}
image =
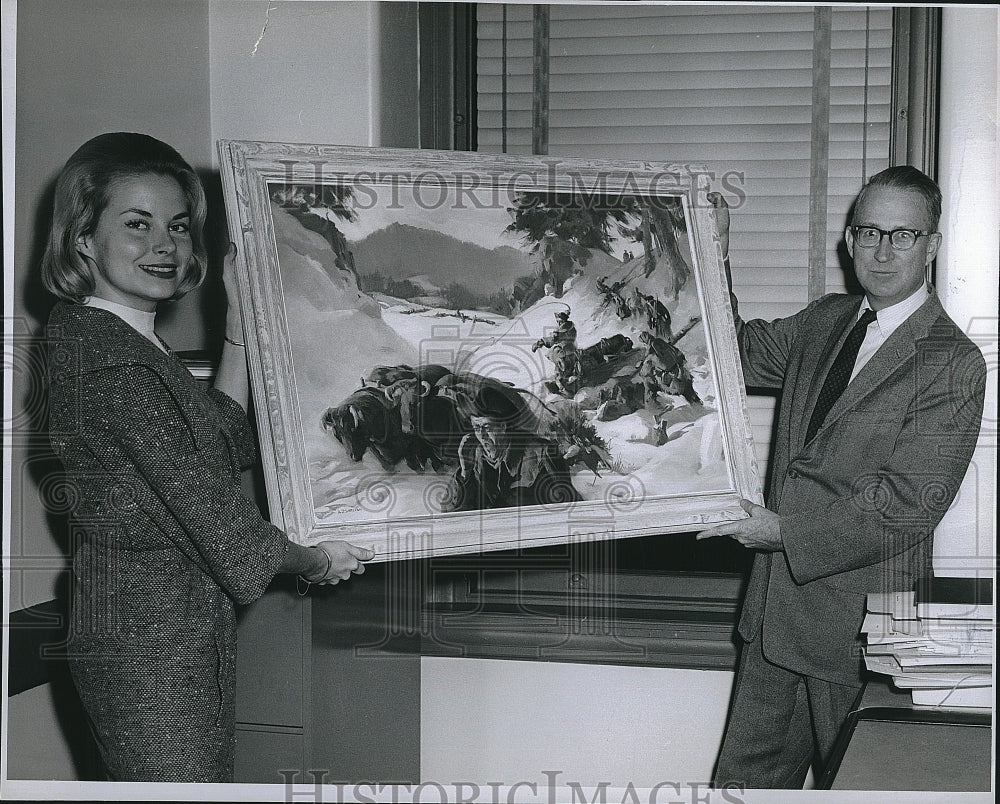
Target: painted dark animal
{"type": "Point", "coordinates": [366, 420]}
{"type": "Point", "coordinates": [429, 374]}
{"type": "Point", "coordinates": [605, 349]}
{"type": "Point", "coordinates": [422, 378]}
{"type": "Point", "coordinates": [438, 428]}
{"type": "Point", "coordinates": [464, 387]}
{"type": "Point", "coordinates": [387, 375]}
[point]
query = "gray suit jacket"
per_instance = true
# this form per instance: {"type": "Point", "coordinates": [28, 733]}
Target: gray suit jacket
{"type": "Point", "coordinates": [860, 501]}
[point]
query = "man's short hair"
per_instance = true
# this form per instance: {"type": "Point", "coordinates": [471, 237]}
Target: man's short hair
{"type": "Point", "coordinates": [907, 177]}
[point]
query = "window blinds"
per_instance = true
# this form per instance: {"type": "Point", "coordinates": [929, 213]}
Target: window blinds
{"type": "Point", "coordinates": [728, 87]}
{"type": "Point", "coordinates": [731, 88]}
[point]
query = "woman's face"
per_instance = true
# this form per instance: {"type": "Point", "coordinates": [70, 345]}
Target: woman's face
{"type": "Point", "coordinates": [141, 247]}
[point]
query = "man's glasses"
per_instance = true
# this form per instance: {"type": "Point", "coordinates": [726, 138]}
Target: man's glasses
{"type": "Point", "coordinates": [901, 239]}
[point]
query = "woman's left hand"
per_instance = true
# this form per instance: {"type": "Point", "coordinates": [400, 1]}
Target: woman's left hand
{"type": "Point", "coordinates": [231, 377]}
{"type": "Point", "coordinates": [234, 316]}
{"type": "Point", "coordinates": [345, 559]}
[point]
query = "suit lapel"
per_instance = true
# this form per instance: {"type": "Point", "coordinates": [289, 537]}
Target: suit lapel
{"type": "Point", "coordinates": [818, 357]}
{"type": "Point", "coordinates": [893, 355]}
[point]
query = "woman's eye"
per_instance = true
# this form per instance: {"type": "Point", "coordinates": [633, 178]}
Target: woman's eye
{"type": "Point", "coordinates": [182, 228]}
{"type": "Point", "coordinates": [138, 223]}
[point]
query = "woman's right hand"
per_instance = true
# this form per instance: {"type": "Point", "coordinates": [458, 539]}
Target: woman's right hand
{"type": "Point", "coordinates": [344, 560]}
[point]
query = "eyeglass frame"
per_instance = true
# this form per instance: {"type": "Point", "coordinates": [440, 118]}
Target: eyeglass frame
{"type": "Point", "coordinates": [917, 234]}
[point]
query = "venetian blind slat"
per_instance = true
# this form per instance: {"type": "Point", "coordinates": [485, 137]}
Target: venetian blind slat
{"type": "Point", "coordinates": [728, 88]}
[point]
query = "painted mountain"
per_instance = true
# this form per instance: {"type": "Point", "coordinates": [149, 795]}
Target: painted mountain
{"type": "Point", "coordinates": [342, 326]}
{"type": "Point", "coordinates": [402, 252]}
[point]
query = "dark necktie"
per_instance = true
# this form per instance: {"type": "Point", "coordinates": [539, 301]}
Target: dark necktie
{"type": "Point", "coordinates": [840, 373]}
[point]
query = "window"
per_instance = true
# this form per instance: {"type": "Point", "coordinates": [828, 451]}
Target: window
{"type": "Point", "coordinates": [791, 107]}
{"type": "Point", "coordinates": [788, 106]}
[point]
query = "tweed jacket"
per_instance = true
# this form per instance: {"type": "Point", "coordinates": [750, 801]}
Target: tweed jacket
{"type": "Point", "coordinates": [165, 540]}
{"type": "Point", "coordinates": [858, 503]}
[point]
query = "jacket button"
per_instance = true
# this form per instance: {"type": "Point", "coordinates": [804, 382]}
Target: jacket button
{"type": "Point", "coordinates": [792, 474]}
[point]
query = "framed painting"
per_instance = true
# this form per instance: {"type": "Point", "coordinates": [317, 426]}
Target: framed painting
{"type": "Point", "coordinates": [452, 353]}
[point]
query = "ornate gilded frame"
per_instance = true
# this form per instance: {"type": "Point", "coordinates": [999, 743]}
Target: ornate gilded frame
{"type": "Point", "coordinates": [255, 174]}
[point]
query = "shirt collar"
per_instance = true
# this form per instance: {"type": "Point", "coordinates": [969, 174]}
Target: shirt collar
{"type": "Point", "coordinates": [510, 458]}
{"type": "Point", "coordinates": [141, 321]}
{"type": "Point", "coordinates": [890, 318]}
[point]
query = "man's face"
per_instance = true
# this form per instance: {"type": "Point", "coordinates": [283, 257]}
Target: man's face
{"type": "Point", "coordinates": [491, 434]}
{"type": "Point", "coordinates": [887, 274]}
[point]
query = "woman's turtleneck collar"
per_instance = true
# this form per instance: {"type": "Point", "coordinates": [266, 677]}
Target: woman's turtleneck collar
{"type": "Point", "coordinates": [141, 321]}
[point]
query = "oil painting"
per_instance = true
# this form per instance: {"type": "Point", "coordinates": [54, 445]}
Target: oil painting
{"type": "Point", "coordinates": [453, 353]}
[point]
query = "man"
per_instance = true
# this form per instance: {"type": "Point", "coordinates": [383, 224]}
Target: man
{"type": "Point", "coordinates": [664, 368]}
{"type": "Point", "coordinates": [561, 344]}
{"type": "Point", "coordinates": [859, 480]}
{"type": "Point", "coordinates": [657, 315]}
{"type": "Point", "coordinates": [505, 465]}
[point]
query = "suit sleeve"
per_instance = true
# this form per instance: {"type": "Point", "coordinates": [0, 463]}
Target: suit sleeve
{"type": "Point", "coordinates": [896, 506]}
{"type": "Point", "coordinates": [766, 345]}
{"type": "Point", "coordinates": [198, 505]}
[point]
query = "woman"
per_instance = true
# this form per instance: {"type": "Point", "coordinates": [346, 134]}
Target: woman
{"type": "Point", "coordinates": [165, 541]}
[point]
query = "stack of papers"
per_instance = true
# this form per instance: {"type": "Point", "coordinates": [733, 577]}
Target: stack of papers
{"type": "Point", "coordinates": [942, 654]}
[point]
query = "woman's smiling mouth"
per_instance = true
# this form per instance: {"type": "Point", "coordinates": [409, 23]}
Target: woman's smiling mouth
{"type": "Point", "coordinates": [162, 270]}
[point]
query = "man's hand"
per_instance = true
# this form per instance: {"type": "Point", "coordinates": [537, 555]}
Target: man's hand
{"type": "Point", "coordinates": [762, 531]}
{"type": "Point", "coordinates": [721, 212]}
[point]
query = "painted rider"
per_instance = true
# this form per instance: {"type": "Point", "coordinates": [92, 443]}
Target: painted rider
{"type": "Point", "coordinates": [561, 344]}
{"type": "Point", "coordinates": [664, 368]}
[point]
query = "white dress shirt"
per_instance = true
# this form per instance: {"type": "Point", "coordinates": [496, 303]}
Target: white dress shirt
{"type": "Point", "coordinates": [887, 321]}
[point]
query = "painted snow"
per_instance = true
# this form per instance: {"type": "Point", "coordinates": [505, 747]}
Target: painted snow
{"type": "Point", "coordinates": [340, 333]}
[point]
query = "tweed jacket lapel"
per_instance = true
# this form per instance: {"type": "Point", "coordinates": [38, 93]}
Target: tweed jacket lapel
{"type": "Point", "coordinates": [818, 357]}
{"type": "Point", "coordinates": [892, 356]}
{"type": "Point", "coordinates": [118, 343]}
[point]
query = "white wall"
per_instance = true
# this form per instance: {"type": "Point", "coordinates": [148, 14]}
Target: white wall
{"type": "Point", "coordinates": [493, 720]}
{"type": "Point", "coordinates": [313, 71]}
{"type": "Point", "coordinates": [968, 271]}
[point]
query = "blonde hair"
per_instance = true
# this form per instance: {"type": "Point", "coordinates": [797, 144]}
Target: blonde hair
{"type": "Point", "coordinates": [83, 191]}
